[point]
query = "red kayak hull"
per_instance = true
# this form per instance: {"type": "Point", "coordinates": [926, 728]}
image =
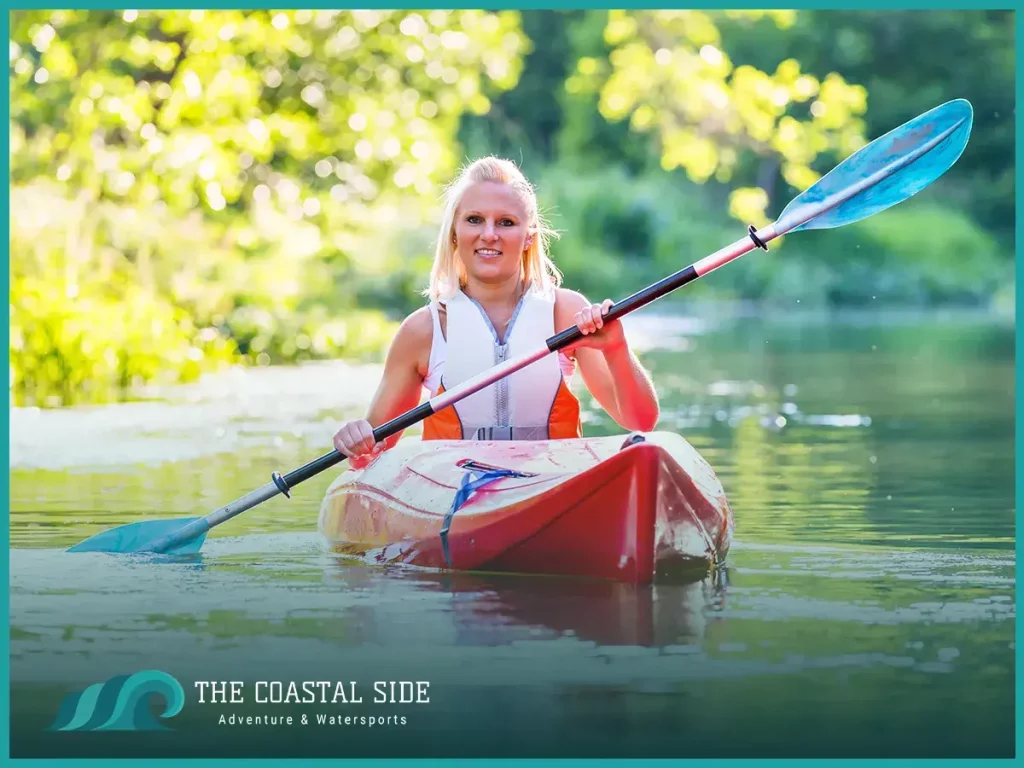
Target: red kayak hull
{"type": "Point", "coordinates": [588, 507]}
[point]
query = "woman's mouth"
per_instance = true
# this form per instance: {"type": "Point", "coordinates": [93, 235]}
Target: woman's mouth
{"type": "Point", "coordinates": [488, 253]}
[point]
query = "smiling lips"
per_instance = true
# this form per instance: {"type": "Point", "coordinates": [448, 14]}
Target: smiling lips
{"type": "Point", "coordinates": [488, 253]}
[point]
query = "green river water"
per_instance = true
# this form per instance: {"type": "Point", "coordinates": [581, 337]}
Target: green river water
{"type": "Point", "coordinates": [867, 607]}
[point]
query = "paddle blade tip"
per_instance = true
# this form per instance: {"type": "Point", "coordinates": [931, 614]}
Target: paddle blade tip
{"type": "Point", "coordinates": [134, 538]}
{"type": "Point", "coordinates": [962, 106]}
{"type": "Point", "coordinates": [887, 171]}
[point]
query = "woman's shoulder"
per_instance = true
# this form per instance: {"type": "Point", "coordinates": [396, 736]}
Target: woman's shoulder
{"type": "Point", "coordinates": [568, 303]}
{"type": "Point", "coordinates": [568, 297]}
{"type": "Point", "coordinates": [411, 344]}
{"type": "Point", "coordinates": [417, 328]}
{"type": "Point", "coordinates": [413, 335]}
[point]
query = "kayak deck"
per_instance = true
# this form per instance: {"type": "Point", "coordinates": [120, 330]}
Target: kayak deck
{"type": "Point", "coordinates": [587, 507]}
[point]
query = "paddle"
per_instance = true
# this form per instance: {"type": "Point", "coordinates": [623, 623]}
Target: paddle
{"type": "Point", "coordinates": [885, 172]}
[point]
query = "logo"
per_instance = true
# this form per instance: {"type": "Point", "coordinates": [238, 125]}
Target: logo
{"type": "Point", "coordinates": [121, 704]}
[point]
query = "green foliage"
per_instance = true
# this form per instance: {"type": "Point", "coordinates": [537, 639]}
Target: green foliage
{"type": "Point", "coordinates": [904, 255]}
{"type": "Point", "coordinates": [525, 122]}
{"type": "Point", "coordinates": [918, 253]}
{"type": "Point", "coordinates": [667, 73]}
{"type": "Point", "coordinates": [191, 188]}
{"type": "Point", "coordinates": [587, 139]}
{"type": "Point", "coordinates": [78, 345]}
{"type": "Point", "coordinates": [224, 109]}
{"type": "Point", "coordinates": [88, 315]}
{"type": "Point", "coordinates": [619, 232]}
{"type": "Point", "coordinates": [909, 62]}
{"type": "Point", "coordinates": [941, 255]}
{"type": "Point", "coordinates": [222, 167]}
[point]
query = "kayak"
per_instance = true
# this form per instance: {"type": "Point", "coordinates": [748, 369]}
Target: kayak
{"type": "Point", "coordinates": [622, 507]}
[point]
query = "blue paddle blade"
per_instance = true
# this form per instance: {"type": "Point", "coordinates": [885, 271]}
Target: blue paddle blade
{"type": "Point", "coordinates": [887, 171]}
{"type": "Point", "coordinates": [135, 537]}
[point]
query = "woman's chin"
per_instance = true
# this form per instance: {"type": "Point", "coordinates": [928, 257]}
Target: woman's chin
{"type": "Point", "coordinates": [492, 271]}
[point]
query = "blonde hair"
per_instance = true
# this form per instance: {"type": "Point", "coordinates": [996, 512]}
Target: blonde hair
{"type": "Point", "coordinates": [447, 275]}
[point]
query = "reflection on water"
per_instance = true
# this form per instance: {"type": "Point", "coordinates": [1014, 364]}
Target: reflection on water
{"type": "Point", "coordinates": [816, 625]}
{"type": "Point", "coordinates": [867, 607]}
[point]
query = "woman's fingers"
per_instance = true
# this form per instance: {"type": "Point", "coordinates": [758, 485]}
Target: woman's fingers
{"type": "Point", "coordinates": [364, 437]}
{"type": "Point", "coordinates": [355, 438]}
{"type": "Point", "coordinates": [589, 319]}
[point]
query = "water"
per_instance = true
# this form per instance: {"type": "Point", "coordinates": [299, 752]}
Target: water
{"type": "Point", "coordinates": [867, 608]}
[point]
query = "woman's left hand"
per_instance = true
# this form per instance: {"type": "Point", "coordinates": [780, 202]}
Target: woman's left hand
{"type": "Point", "coordinates": [598, 334]}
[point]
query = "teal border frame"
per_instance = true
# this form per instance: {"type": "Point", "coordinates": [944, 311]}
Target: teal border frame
{"type": "Point", "coordinates": [1018, 347]}
{"type": "Point", "coordinates": [5, 162]}
{"type": "Point", "coordinates": [568, 763]}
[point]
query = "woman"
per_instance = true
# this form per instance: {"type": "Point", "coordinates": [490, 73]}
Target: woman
{"type": "Point", "coordinates": [495, 294]}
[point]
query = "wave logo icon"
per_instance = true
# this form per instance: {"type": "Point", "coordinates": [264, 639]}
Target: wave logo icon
{"type": "Point", "coordinates": [121, 704]}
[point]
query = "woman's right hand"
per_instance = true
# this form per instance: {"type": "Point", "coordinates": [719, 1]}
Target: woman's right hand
{"type": "Point", "coordinates": [355, 439]}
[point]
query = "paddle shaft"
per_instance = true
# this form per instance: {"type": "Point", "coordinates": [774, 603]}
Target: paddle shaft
{"type": "Point", "coordinates": [865, 183]}
{"type": "Point", "coordinates": [558, 341]}
{"type": "Point", "coordinates": [284, 483]}
{"type": "Point", "coordinates": [790, 220]}
{"type": "Point", "coordinates": [198, 527]}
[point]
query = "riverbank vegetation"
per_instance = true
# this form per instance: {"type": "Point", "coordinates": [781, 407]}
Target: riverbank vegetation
{"type": "Point", "coordinates": [192, 189]}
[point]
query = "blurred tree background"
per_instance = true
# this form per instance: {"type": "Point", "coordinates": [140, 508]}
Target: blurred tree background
{"type": "Point", "coordinates": [191, 189]}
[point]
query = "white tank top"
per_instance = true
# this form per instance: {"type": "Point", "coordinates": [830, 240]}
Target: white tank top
{"type": "Point", "coordinates": [517, 407]}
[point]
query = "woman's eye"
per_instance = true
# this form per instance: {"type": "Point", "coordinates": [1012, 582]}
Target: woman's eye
{"type": "Point", "coordinates": [473, 219]}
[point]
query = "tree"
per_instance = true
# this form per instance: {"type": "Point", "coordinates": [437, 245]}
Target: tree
{"type": "Point", "coordinates": [226, 162]}
{"type": "Point", "coordinates": [667, 73]}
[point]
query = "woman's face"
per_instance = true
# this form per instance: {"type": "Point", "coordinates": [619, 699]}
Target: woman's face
{"type": "Point", "coordinates": [491, 232]}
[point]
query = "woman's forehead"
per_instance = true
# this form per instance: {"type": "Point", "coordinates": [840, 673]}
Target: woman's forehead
{"type": "Point", "coordinates": [493, 197]}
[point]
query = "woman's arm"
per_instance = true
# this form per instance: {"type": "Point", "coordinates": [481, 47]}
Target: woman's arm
{"type": "Point", "coordinates": [400, 386]}
{"type": "Point", "coordinates": [610, 370]}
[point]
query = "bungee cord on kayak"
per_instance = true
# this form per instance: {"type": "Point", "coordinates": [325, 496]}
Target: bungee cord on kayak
{"type": "Point", "coordinates": [468, 400]}
{"type": "Point", "coordinates": [472, 481]}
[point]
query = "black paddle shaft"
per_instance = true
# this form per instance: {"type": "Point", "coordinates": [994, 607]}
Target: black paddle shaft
{"type": "Point", "coordinates": [555, 343]}
{"type": "Point", "coordinates": [627, 305]}
{"type": "Point", "coordinates": [328, 460]}
{"type": "Point", "coordinates": [907, 140]}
